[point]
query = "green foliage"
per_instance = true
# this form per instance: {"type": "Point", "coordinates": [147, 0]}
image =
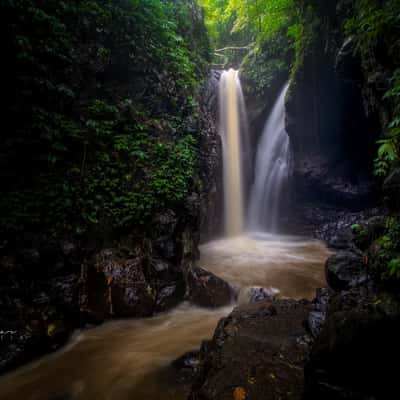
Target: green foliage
{"type": "Point", "coordinates": [394, 267]}
{"type": "Point", "coordinates": [385, 252]}
{"type": "Point", "coordinates": [98, 131]}
{"type": "Point", "coordinates": [360, 231]}
{"type": "Point", "coordinates": [262, 18]}
{"type": "Point", "coordinates": [260, 68]}
{"type": "Point", "coordinates": [356, 228]}
{"type": "Point", "coordinates": [252, 23]}
{"type": "Point", "coordinates": [389, 147]}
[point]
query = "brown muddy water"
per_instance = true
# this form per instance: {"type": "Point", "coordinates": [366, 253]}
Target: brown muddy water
{"type": "Point", "coordinates": [129, 359]}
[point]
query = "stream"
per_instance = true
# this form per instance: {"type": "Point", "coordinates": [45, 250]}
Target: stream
{"type": "Point", "coordinates": [129, 359]}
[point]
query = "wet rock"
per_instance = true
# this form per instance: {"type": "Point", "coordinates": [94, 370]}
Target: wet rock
{"type": "Point", "coordinates": [353, 356]}
{"type": "Point", "coordinates": [258, 351]}
{"type": "Point", "coordinates": [339, 232]}
{"type": "Point", "coordinates": [116, 284]}
{"type": "Point", "coordinates": [315, 322]}
{"type": "Point", "coordinates": [187, 366]}
{"type": "Point", "coordinates": [168, 283]}
{"type": "Point", "coordinates": [17, 349]}
{"type": "Point", "coordinates": [20, 346]}
{"type": "Point", "coordinates": [164, 271]}
{"type": "Point", "coordinates": [364, 233]}
{"type": "Point", "coordinates": [208, 290]}
{"type": "Point", "coordinates": [64, 292]}
{"type": "Point", "coordinates": [317, 316]}
{"type": "Point", "coordinates": [170, 296]}
{"type": "Point", "coordinates": [322, 298]}
{"type": "Point", "coordinates": [345, 269]}
{"type": "Point", "coordinates": [256, 294]}
{"type": "Point", "coordinates": [166, 248]}
{"type": "Point", "coordinates": [165, 242]}
{"type": "Point", "coordinates": [165, 223]}
{"type": "Point", "coordinates": [342, 240]}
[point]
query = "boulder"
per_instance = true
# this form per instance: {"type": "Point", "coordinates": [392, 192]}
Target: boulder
{"type": "Point", "coordinates": [186, 367]}
{"type": "Point", "coordinates": [257, 353]}
{"type": "Point", "coordinates": [169, 296]}
{"type": "Point", "coordinates": [116, 284]}
{"type": "Point", "coordinates": [208, 290]}
{"type": "Point", "coordinates": [354, 354]}
{"type": "Point", "coordinates": [345, 269]}
{"type": "Point", "coordinates": [256, 294]}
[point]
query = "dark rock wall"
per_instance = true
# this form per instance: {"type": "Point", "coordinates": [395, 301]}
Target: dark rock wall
{"type": "Point", "coordinates": [211, 218]}
{"type": "Point", "coordinates": [257, 352]}
{"type": "Point", "coordinates": [325, 115]}
{"type": "Point", "coordinates": [331, 129]}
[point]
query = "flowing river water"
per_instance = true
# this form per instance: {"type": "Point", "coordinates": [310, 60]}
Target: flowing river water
{"type": "Point", "coordinates": [129, 359]}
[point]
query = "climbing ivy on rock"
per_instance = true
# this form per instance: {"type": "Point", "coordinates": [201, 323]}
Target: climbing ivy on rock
{"type": "Point", "coordinates": [100, 111]}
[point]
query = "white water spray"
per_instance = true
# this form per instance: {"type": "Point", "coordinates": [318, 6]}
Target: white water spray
{"type": "Point", "coordinates": [271, 170]}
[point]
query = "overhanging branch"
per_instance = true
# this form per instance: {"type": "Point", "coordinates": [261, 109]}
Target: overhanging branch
{"type": "Point", "coordinates": [234, 48]}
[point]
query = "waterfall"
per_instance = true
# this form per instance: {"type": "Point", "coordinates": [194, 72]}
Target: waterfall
{"type": "Point", "coordinates": [271, 170]}
{"type": "Point", "coordinates": [231, 110]}
{"type": "Point", "coordinates": [271, 164]}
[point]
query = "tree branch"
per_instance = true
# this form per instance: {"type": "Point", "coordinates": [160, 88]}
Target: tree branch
{"type": "Point", "coordinates": [234, 48]}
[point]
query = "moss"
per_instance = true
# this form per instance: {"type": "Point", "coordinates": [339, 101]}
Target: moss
{"type": "Point", "coordinates": [102, 130]}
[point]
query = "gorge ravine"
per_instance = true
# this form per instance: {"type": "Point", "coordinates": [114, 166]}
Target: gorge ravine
{"type": "Point", "coordinates": [137, 362]}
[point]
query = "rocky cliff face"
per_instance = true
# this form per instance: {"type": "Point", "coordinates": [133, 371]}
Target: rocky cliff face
{"type": "Point", "coordinates": [211, 223]}
{"type": "Point", "coordinates": [331, 129]}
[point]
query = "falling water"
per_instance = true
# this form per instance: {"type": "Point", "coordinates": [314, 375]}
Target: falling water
{"type": "Point", "coordinates": [230, 96]}
{"type": "Point", "coordinates": [271, 170]}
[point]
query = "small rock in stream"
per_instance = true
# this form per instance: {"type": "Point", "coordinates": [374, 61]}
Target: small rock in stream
{"type": "Point", "coordinates": [207, 289]}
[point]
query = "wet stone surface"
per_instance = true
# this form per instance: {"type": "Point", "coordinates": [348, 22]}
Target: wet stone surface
{"type": "Point", "coordinates": [257, 352]}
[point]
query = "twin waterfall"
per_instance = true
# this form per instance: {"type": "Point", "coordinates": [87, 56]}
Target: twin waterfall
{"type": "Point", "coordinates": [261, 211]}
